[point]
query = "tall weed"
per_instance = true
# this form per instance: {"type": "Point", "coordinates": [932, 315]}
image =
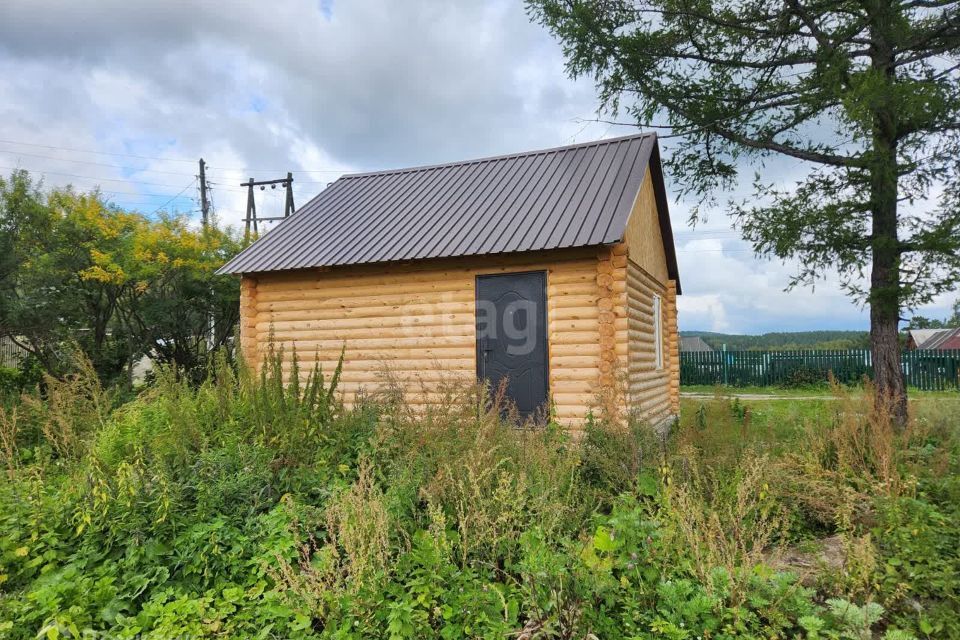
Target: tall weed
{"type": "Point", "coordinates": [73, 409]}
{"type": "Point", "coordinates": [614, 456]}
{"type": "Point", "coordinates": [10, 426]}
{"type": "Point", "coordinates": [359, 530]}
{"type": "Point", "coordinates": [466, 457]}
{"type": "Point", "coordinates": [723, 523]}
{"type": "Point", "coordinates": [352, 555]}
{"type": "Point", "coordinates": [847, 460]}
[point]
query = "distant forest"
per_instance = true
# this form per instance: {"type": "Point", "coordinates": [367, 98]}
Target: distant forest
{"type": "Point", "coordinates": [785, 340]}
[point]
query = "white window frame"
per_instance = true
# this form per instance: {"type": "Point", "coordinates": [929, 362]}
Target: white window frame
{"type": "Point", "coordinates": [658, 330]}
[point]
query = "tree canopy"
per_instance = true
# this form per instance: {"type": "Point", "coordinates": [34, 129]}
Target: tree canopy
{"type": "Point", "coordinates": [119, 285]}
{"type": "Point", "coordinates": [921, 322]}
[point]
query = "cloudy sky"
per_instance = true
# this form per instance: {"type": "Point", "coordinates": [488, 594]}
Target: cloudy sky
{"type": "Point", "coordinates": [128, 97]}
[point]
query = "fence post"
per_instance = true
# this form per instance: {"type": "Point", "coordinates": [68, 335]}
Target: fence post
{"type": "Point", "coordinates": [724, 356]}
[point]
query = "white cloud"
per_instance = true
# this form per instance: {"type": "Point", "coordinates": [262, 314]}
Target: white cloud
{"type": "Point", "coordinates": [371, 85]}
{"type": "Point", "coordinates": [730, 290]}
{"type": "Point", "coordinates": [704, 312]}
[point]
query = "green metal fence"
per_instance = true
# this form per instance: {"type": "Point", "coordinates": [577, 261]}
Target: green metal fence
{"type": "Point", "coordinates": [928, 370]}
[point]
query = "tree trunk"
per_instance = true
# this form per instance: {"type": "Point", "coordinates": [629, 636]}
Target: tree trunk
{"type": "Point", "coordinates": [885, 290]}
{"type": "Point", "coordinates": [885, 282]}
{"type": "Point", "coordinates": [885, 348]}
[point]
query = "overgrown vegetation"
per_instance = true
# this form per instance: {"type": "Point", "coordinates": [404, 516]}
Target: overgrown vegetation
{"type": "Point", "coordinates": [247, 507]}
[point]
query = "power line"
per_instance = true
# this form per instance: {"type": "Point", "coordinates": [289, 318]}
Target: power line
{"type": "Point", "coordinates": [248, 170]}
{"type": "Point", "coordinates": [98, 164]}
{"type": "Point", "coordinates": [158, 209]}
{"type": "Point", "coordinates": [120, 197]}
{"type": "Point", "coordinates": [143, 157]}
{"type": "Point", "coordinates": [693, 234]}
{"type": "Point", "coordinates": [103, 153]}
{"type": "Point", "coordinates": [109, 191]}
{"type": "Point", "coordinates": [136, 193]}
{"type": "Point", "coordinates": [227, 185]}
{"type": "Point", "coordinates": [95, 178]}
{"type": "Point", "coordinates": [223, 185]}
{"type": "Point", "coordinates": [178, 202]}
{"type": "Point", "coordinates": [120, 202]}
{"type": "Point", "coordinates": [713, 250]}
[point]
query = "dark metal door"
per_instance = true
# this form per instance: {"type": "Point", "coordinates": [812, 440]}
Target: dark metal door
{"type": "Point", "coordinates": [512, 336]}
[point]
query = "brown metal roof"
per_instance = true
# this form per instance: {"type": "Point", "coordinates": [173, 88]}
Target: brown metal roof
{"type": "Point", "coordinates": [573, 196]}
{"type": "Point", "coordinates": [942, 339]}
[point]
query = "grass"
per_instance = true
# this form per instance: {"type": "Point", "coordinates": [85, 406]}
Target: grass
{"type": "Point", "coordinates": [773, 420]}
{"type": "Point", "coordinates": [252, 508]}
{"type": "Point", "coordinates": [787, 411]}
{"type": "Point", "coordinates": [800, 392]}
{"type": "Point", "coordinates": [704, 389]}
{"type": "Point", "coordinates": [781, 422]}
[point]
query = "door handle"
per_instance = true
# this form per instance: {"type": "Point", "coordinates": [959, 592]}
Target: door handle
{"type": "Point", "coordinates": [484, 348]}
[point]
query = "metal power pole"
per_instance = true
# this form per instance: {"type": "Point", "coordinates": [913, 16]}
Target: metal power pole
{"type": "Point", "coordinates": [204, 201]}
{"type": "Point", "coordinates": [251, 218]}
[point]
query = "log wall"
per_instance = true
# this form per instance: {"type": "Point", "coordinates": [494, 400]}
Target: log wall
{"type": "Point", "coordinates": [648, 384]}
{"type": "Point", "coordinates": [673, 346]}
{"type": "Point", "coordinates": [248, 318]}
{"type": "Point", "coordinates": [653, 394]}
{"type": "Point", "coordinates": [418, 320]}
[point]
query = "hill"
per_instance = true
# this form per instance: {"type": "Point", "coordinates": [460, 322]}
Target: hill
{"type": "Point", "coordinates": [786, 340]}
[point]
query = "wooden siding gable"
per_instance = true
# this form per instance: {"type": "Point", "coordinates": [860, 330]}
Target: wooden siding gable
{"type": "Point", "coordinates": [648, 232]}
{"type": "Point", "coordinates": [644, 236]}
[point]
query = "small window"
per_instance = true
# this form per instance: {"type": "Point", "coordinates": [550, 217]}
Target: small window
{"type": "Point", "coordinates": [658, 331]}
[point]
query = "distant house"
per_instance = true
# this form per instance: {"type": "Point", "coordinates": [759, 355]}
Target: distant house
{"type": "Point", "coordinates": [930, 339]}
{"type": "Point", "coordinates": [689, 344]}
{"type": "Point", "coordinates": [552, 271]}
{"type": "Point", "coordinates": [10, 353]}
{"type": "Point", "coordinates": [916, 337]}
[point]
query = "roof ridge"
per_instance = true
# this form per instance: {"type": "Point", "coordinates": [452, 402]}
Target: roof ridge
{"type": "Point", "coordinates": [505, 156]}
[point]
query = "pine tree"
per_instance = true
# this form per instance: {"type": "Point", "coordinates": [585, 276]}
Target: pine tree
{"type": "Point", "coordinates": [865, 94]}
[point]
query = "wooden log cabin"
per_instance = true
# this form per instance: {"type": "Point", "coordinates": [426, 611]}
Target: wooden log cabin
{"type": "Point", "coordinates": [553, 270]}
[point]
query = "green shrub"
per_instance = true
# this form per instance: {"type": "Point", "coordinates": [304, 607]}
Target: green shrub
{"type": "Point", "coordinates": [9, 382]}
{"type": "Point", "coordinates": [799, 375]}
{"type": "Point", "coordinates": [614, 458]}
{"type": "Point", "coordinates": [15, 380]}
{"type": "Point", "coordinates": [260, 506]}
{"type": "Point", "coordinates": [919, 564]}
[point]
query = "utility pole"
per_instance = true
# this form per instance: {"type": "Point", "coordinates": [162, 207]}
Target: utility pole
{"type": "Point", "coordinates": [288, 207]}
{"type": "Point", "coordinates": [251, 219]}
{"type": "Point", "coordinates": [205, 211]}
{"type": "Point", "coordinates": [204, 201]}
